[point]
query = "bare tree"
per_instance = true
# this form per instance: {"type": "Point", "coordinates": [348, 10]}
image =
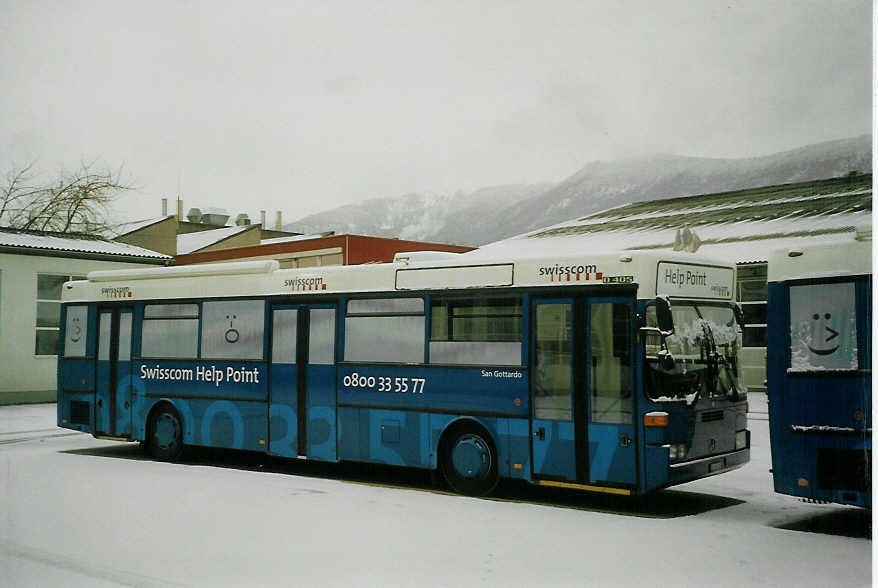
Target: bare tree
{"type": "Point", "coordinates": [76, 202]}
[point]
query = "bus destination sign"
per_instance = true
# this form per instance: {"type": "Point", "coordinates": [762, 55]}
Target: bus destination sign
{"type": "Point", "coordinates": [694, 281]}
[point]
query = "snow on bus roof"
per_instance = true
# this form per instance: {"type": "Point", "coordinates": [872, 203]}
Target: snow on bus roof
{"type": "Point", "coordinates": [850, 255]}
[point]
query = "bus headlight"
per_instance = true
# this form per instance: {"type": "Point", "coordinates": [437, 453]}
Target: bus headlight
{"type": "Point", "coordinates": [740, 439]}
{"type": "Point", "coordinates": [677, 451]}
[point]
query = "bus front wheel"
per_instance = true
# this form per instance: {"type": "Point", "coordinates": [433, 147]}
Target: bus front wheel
{"type": "Point", "coordinates": [469, 461]}
{"type": "Point", "coordinates": [166, 434]}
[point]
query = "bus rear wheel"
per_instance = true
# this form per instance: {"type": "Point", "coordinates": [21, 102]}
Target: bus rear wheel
{"type": "Point", "coordinates": [165, 432]}
{"type": "Point", "coordinates": [469, 461]}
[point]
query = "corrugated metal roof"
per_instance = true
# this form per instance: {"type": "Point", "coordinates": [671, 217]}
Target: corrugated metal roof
{"type": "Point", "coordinates": [32, 241]}
{"type": "Point", "coordinates": [740, 226]}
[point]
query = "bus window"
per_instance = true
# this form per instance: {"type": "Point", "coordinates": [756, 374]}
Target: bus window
{"type": "Point", "coordinates": [75, 331]}
{"type": "Point", "coordinates": [284, 333]}
{"type": "Point", "coordinates": [610, 369]}
{"type": "Point", "coordinates": [476, 331]}
{"type": "Point", "coordinates": [387, 330]}
{"type": "Point", "coordinates": [321, 333]}
{"type": "Point", "coordinates": [233, 329]}
{"type": "Point", "coordinates": [170, 331]}
{"type": "Point", "coordinates": [823, 327]}
{"type": "Point", "coordinates": [553, 375]}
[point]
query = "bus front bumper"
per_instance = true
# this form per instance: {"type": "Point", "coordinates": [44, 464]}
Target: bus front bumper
{"type": "Point", "coordinates": [707, 466]}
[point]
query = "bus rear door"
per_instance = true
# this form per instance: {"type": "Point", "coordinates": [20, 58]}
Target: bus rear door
{"type": "Point", "coordinates": [302, 396]}
{"type": "Point", "coordinates": [114, 385]}
{"type": "Point", "coordinates": [582, 391]}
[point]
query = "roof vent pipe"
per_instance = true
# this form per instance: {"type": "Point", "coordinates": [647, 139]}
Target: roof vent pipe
{"type": "Point", "coordinates": [262, 218]}
{"type": "Point", "coordinates": [164, 207]}
{"type": "Point", "coordinates": [277, 221]}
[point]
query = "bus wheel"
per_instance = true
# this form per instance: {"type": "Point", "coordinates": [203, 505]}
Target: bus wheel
{"type": "Point", "coordinates": [469, 461]}
{"type": "Point", "coordinates": [166, 434]}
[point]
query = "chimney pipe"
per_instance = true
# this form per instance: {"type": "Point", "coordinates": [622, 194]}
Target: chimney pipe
{"type": "Point", "coordinates": [277, 221]}
{"type": "Point", "coordinates": [179, 209]}
{"type": "Point", "coordinates": [164, 207]}
{"type": "Point", "coordinates": [262, 219]}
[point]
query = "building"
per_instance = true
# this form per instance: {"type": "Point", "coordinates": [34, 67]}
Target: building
{"type": "Point", "coordinates": [317, 250]}
{"type": "Point", "coordinates": [740, 227]}
{"type": "Point", "coordinates": [201, 231]}
{"type": "Point", "coordinates": [33, 267]}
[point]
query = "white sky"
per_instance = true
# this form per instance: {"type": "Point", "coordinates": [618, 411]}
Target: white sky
{"type": "Point", "coordinates": [304, 106]}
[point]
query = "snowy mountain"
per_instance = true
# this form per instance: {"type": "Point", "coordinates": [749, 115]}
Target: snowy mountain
{"type": "Point", "coordinates": [494, 213]}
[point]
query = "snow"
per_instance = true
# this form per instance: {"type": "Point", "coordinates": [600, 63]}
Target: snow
{"type": "Point", "coordinates": [84, 512]}
{"type": "Point", "coordinates": [295, 238]}
{"type": "Point", "coordinates": [35, 241]}
{"type": "Point", "coordinates": [129, 227]}
{"type": "Point", "coordinates": [826, 429]}
{"type": "Point", "coordinates": [191, 242]}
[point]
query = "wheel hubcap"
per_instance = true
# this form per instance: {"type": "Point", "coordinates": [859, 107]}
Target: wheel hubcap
{"type": "Point", "coordinates": [471, 457]}
{"type": "Point", "coordinates": [166, 431]}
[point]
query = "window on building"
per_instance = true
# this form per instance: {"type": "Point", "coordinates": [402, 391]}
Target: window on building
{"type": "Point", "coordinates": [752, 294]}
{"type": "Point", "coordinates": [49, 311]}
{"type": "Point", "coordinates": [385, 330]}
{"type": "Point", "coordinates": [170, 331]}
{"type": "Point", "coordinates": [476, 331]}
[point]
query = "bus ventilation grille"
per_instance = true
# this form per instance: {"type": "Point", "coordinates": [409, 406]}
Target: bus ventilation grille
{"type": "Point", "coordinates": [80, 411]}
{"type": "Point", "coordinates": [714, 415]}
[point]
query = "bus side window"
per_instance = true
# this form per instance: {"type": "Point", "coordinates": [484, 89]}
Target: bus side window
{"type": "Point", "coordinates": [170, 331]}
{"type": "Point", "coordinates": [232, 329]}
{"type": "Point", "coordinates": [387, 330]}
{"type": "Point", "coordinates": [75, 331]}
{"type": "Point", "coordinates": [476, 331]}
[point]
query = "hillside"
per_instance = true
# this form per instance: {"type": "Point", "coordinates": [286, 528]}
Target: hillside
{"type": "Point", "coordinates": [493, 213]}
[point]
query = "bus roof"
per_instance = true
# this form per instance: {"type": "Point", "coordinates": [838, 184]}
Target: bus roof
{"type": "Point", "coordinates": [674, 274]}
{"type": "Point", "coordinates": [848, 256]}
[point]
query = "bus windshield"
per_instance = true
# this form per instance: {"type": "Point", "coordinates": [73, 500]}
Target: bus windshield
{"type": "Point", "coordinates": [704, 348]}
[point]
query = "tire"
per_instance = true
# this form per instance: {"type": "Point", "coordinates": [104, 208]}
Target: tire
{"type": "Point", "coordinates": [469, 461]}
{"type": "Point", "coordinates": [165, 434]}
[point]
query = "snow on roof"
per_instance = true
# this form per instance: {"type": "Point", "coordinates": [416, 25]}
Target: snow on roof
{"type": "Point", "coordinates": [740, 227]}
{"type": "Point", "coordinates": [192, 242]}
{"type": "Point", "coordinates": [294, 238]}
{"type": "Point", "coordinates": [72, 242]}
{"type": "Point", "coordinates": [129, 227]}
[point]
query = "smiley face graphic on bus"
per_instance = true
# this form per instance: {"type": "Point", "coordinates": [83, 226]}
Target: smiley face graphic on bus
{"type": "Point", "coordinates": [232, 334]}
{"type": "Point", "coordinates": [824, 339]}
{"type": "Point", "coordinates": [76, 330]}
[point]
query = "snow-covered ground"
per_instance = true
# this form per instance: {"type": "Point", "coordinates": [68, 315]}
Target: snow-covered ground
{"type": "Point", "coordinates": [76, 511]}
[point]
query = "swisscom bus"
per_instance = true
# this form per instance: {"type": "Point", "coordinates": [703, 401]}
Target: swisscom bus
{"type": "Point", "coordinates": [820, 370]}
{"type": "Point", "coordinates": [607, 373]}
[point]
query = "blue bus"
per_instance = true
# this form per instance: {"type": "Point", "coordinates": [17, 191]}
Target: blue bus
{"type": "Point", "coordinates": [605, 373]}
{"type": "Point", "coordinates": [819, 370]}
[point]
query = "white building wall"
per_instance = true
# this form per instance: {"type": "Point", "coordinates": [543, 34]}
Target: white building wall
{"type": "Point", "coordinates": [24, 375]}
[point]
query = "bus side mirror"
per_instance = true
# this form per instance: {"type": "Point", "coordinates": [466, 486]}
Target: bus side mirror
{"type": "Point", "coordinates": [663, 315]}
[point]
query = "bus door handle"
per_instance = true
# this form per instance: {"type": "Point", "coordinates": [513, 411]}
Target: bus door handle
{"type": "Point", "coordinates": [540, 434]}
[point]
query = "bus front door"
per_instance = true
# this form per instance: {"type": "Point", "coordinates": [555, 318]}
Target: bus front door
{"type": "Point", "coordinates": [113, 388]}
{"type": "Point", "coordinates": [582, 430]}
{"type": "Point", "coordinates": [302, 399]}
{"type": "Point", "coordinates": [609, 392]}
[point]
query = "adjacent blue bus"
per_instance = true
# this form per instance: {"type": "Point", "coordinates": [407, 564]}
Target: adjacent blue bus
{"type": "Point", "coordinates": [606, 373]}
{"type": "Point", "coordinates": [820, 370]}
